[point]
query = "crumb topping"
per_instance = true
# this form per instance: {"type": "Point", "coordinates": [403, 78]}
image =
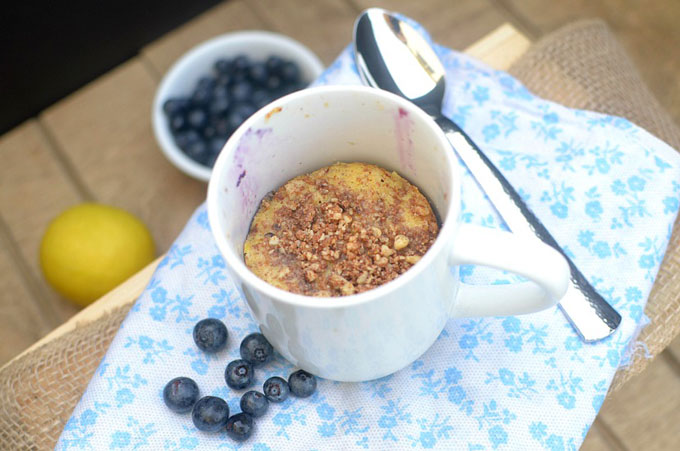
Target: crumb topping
{"type": "Point", "coordinates": [324, 235]}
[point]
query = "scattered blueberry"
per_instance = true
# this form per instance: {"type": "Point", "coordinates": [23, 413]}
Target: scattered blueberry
{"type": "Point", "coordinates": [239, 374]}
{"type": "Point", "coordinates": [180, 394]}
{"type": "Point", "coordinates": [240, 427]}
{"type": "Point", "coordinates": [221, 101]}
{"type": "Point", "coordinates": [210, 334]}
{"type": "Point", "coordinates": [256, 349]}
{"type": "Point", "coordinates": [254, 403]}
{"type": "Point", "coordinates": [210, 413]}
{"type": "Point", "coordinates": [276, 389]}
{"type": "Point", "coordinates": [302, 384]}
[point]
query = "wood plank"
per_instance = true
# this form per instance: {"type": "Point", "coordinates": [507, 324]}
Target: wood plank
{"type": "Point", "coordinates": [503, 47]}
{"type": "Point", "coordinates": [645, 413]}
{"type": "Point", "coordinates": [21, 321]}
{"type": "Point", "coordinates": [104, 130]}
{"type": "Point", "coordinates": [674, 349]}
{"type": "Point", "coordinates": [649, 34]}
{"type": "Point", "coordinates": [596, 440]}
{"type": "Point", "coordinates": [453, 24]}
{"type": "Point", "coordinates": [225, 17]}
{"type": "Point", "coordinates": [325, 26]}
{"type": "Point", "coordinates": [33, 189]}
{"type": "Point", "coordinates": [125, 293]}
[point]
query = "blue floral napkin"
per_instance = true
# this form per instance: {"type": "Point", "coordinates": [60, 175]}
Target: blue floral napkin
{"type": "Point", "coordinates": [605, 188]}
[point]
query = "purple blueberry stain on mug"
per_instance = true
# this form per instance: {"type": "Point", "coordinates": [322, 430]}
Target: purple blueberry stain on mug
{"type": "Point", "coordinates": [240, 177]}
{"type": "Point", "coordinates": [244, 156]}
{"type": "Point", "coordinates": [403, 127]}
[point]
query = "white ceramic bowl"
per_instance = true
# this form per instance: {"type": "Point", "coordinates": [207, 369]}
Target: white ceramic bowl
{"type": "Point", "coordinates": [181, 80]}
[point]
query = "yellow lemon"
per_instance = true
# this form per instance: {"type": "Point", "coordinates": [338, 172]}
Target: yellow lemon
{"type": "Point", "coordinates": [91, 248]}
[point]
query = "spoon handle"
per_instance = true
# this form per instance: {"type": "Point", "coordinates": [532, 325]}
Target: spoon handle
{"type": "Point", "coordinates": [587, 311]}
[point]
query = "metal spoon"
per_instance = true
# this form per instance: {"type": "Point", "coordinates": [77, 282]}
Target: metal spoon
{"type": "Point", "coordinates": [392, 55]}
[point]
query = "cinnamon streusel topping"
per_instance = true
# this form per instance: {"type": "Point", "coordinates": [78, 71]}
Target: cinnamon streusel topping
{"type": "Point", "coordinates": [340, 230]}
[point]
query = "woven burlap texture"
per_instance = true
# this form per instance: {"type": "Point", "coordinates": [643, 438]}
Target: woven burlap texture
{"type": "Point", "coordinates": [580, 66]}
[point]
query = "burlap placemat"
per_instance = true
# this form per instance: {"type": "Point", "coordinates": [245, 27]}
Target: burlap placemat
{"type": "Point", "coordinates": [580, 66]}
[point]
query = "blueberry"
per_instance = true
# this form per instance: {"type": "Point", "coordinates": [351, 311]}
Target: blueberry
{"type": "Point", "coordinates": [240, 427]}
{"type": "Point", "coordinates": [276, 389]}
{"type": "Point", "coordinates": [207, 83]}
{"type": "Point", "coordinates": [180, 394]}
{"type": "Point", "coordinates": [273, 82]}
{"type": "Point", "coordinates": [187, 138]}
{"type": "Point", "coordinates": [210, 413]}
{"type": "Point", "coordinates": [223, 127]}
{"type": "Point", "coordinates": [239, 113]}
{"type": "Point", "coordinates": [197, 151]}
{"type": "Point", "coordinates": [216, 144]}
{"type": "Point", "coordinates": [223, 66]}
{"type": "Point", "coordinates": [258, 73]}
{"type": "Point", "coordinates": [241, 91]}
{"type": "Point", "coordinates": [220, 92]}
{"type": "Point", "coordinates": [254, 403]}
{"type": "Point", "coordinates": [174, 106]}
{"type": "Point", "coordinates": [240, 63]}
{"type": "Point", "coordinates": [290, 72]}
{"type": "Point", "coordinates": [239, 374]}
{"type": "Point", "coordinates": [260, 98]}
{"type": "Point", "coordinates": [201, 96]}
{"type": "Point", "coordinates": [208, 133]}
{"type": "Point", "coordinates": [225, 79]}
{"type": "Point", "coordinates": [178, 122]}
{"type": "Point", "coordinates": [197, 118]}
{"type": "Point", "coordinates": [302, 384]}
{"type": "Point", "coordinates": [256, 349]}
{"type": "Point", "coordinates": [219, 105]}
{"type": "Point", "coordinates": [274, 64]}
{"type": "Point", "coordinates": [210, 334]}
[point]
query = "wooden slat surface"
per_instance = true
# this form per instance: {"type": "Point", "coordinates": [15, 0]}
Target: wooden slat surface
{"type": "Point", "coordinates": [225, 17]}
{"type": "Point", "coordinates": [645, 414]}
{"type": "Point", "coordinates": [597, 440]}
{"type": "Point", "coordinates": [455, 27]}
{"type": "Point", "coordinates": [21, 323]}
{"type": "Point", "coordinates": [324, 26]}
{"type": "Point", "coordinates": [648, 30]}
{"type": "Point", "coordinates": [33, 189]}
{"type": "Point", "coordinates": [105, 132]}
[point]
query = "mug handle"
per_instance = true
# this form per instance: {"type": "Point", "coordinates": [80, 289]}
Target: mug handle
{"type": "Point", "coordinates": [523, 255]}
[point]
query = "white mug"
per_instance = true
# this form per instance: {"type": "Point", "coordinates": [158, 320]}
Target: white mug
{"type": "Point", "coordinates": [377, 332]}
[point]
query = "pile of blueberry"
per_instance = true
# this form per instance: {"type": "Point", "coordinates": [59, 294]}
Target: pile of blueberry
{"type": "Point", "coordinates": [220, 102]}
{"type": "Point", "coordinates": [211, 413]}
